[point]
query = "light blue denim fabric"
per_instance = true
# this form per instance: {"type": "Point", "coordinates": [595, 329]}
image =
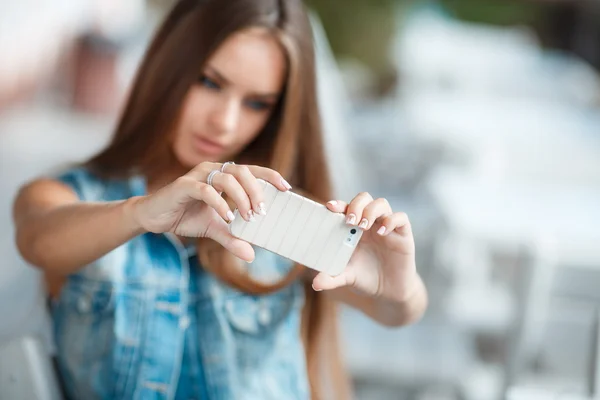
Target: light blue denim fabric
{"type": "Point", "coordinates": [121, 323]}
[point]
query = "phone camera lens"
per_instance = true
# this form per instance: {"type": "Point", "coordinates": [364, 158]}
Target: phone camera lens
{"type": "Point", "coordinates": [353, 231]}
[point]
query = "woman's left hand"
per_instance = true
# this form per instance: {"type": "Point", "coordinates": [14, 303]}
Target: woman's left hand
{"type": "Point", "coordinates": [383, 264]}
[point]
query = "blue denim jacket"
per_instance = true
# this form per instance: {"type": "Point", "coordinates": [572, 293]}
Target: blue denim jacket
{"type": "Point", "coordinates": [120, 323]}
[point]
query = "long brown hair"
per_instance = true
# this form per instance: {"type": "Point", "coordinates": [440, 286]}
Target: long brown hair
{"type": "Point", "coordinates": [290, 142]}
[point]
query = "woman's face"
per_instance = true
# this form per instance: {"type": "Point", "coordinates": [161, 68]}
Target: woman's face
{"type": "Point", "coordinates": [232, 99]}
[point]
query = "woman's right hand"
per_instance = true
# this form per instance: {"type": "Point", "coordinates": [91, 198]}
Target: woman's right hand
{"type": "Point", "coordinates": [192, 208]}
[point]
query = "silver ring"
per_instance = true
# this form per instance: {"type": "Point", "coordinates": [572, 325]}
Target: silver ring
{"type": "Point", "coordinates": [226, 164]}
{"type": "Point", "coordinates": [209, 179]}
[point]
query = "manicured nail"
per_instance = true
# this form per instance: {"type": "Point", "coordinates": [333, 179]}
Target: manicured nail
{"type": "Point", "coordinates": [381, 231]}
{"type": "Point", "coordinates": [315, 289]}
{"type": "Point", "coordinates": [363, 223]}
{"type": "Point", "coordinates": [251, 216]}
{"type": "Point", "coordinates": [351, 219]}
{"type": "Point", "coordinates": [332, 203]}
{"type": "Point", "coordinates": [230, 215]}
{"type": "Point", "coordinates": [262, 209]}
{"type": "Point", "coordinates": [286, 184]}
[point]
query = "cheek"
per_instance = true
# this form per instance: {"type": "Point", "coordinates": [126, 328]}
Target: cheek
{"type": "Point", "coordinates": [251, 126]}
{"type": "Point", "coordinates": [191, 116]}
{"type": "Point", "coordinates": [192, 111]}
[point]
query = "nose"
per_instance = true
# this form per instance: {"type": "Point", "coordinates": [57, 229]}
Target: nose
{"type": "Point", "coordinates": [225, 115]}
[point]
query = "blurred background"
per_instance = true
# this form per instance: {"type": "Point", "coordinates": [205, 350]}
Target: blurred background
{"type": "Point", "coordinates": [479, 118]}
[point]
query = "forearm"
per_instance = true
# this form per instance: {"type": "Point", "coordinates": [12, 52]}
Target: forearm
{"type": "Point", "coordinates": [64, 239]}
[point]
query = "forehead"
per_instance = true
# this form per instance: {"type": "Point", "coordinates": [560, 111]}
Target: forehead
{"type": "Point", "coordinates": [253, 60]}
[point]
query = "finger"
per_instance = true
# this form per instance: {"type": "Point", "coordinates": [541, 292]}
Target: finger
{"type": "Point", "coordinates": [271, 176]}
{"type": "Point", "coordinates": [231, 186]}
{"type": "Point", "coordinates": [376, 209]}
{"type": "Point", "coordinates": [219, 232]}
{"type": "Point", "coordinates": [398, 222]}
{"type": "Point", "coordinates": [251, 186]}
{"type": "Point", "coordinates": [200, 172]}
{"type": "Point", "coordinates": [323, 281]}
{"type": "Point", "coordinates": [337, 206]}
{"type": "Point", "coordinates": [354, 213]}
{"type": "Point", "coordinates": [206, 193]}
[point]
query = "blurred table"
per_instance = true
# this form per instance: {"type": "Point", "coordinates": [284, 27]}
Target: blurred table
{"type": "Point", "coordinates": [510, 138]}
{"type": "Point", "coordinates": [519, 212]}
{"type": "Point", "coordinates": [431, 351]}
{"type": "Point", "coordinates": [540, 394]}
{"type": "Point", "coordinates": [506, 216]}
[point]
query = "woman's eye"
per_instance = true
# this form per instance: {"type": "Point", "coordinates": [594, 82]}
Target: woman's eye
{"type": "Point", "coordinates": [209, 83]}
{"type": "Point", "coordinates": [258, 105]}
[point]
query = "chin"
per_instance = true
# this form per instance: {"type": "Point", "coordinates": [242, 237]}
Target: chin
{"type": "Point", "coordinates": [189, 157]}
{"type": "Point", "coordinates": [194, 159]}
{"type": "Point", "coordinates": [189, 161]}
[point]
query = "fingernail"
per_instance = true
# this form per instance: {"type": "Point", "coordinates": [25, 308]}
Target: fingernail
{"type": "Point", "coordinates": [351, 219]}
{"type": "Point", "coordinates": [363, 223]}
{"type": "Point", "coordinates": [286, 184]}
{"type": "Point", "coordinates": [251, 216]}
{"type": "Point", "coordinates": [332, 202]}
{"type": "Point", "coordinates": [381, 231]}
{"type": "Point", "coordinates": [315, 289]}
{"type": "Point", "coordinates": [262, 209]}
{"type": "Point", "coordinates": [230, 215]}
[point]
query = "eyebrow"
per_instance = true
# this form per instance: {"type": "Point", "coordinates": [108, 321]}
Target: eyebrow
{"type": "Point", "coordinates": [226, 81]}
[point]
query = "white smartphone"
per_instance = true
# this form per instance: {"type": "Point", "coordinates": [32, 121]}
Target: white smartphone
{"type": "Point", "coordinates": [301, 230]}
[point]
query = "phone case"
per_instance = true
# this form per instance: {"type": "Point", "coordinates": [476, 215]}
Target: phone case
{"type": "Point", "coordinates": [301, 230]}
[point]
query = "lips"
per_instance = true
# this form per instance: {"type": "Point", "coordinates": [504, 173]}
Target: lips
{"type": "Point", "coordinates": [208, 146]}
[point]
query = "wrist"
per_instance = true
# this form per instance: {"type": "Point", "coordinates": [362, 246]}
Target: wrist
{"type": "Point", "coordinates": [407, 306]}
{"type": "Point", "coordinates": [413, 285]}
{"type": "Point", "coordinates": [131, 215]}
{"type": "Point", "coordinates": [409, 285]}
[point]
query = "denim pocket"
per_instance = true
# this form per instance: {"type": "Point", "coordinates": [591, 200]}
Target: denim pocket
{"type": "Point", "coordinates": [83, 324]}
{"type": "Point", "coordinates": [87, 299]}
{"type": "Point", "coordinates": [258, 315]}
{"type": "Point", "coordinates": [266, 344]}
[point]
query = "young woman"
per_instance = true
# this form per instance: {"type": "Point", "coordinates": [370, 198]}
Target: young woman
{"type": "Point", "coordinates": [152, 298]}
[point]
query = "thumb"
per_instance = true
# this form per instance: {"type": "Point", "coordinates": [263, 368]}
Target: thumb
{"type": "Point", "coordinates": [219, 232]}
{"type": "Point", "coordinates": [323, 281]}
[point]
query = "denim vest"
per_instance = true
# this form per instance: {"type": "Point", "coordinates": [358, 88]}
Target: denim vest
{"type": "Point", "coordinates": [120, 322]}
